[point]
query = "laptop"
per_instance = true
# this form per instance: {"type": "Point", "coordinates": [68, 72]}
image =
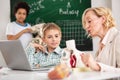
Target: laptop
{"type": "Point", "coordinates": [15, 56]}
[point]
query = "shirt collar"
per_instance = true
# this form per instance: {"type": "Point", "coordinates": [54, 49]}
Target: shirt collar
{"type": "Point", "coordinates": [25, 25]}
{"type": "Point", "coordinates": [109, 35]}
{"type": "Point", "coordinates": [57, 50]}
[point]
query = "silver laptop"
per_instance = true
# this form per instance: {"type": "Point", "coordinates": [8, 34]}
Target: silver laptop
{"type": "Point", "coordinates": [15, 56]}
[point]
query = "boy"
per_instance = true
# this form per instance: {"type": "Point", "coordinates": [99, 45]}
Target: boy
{"type": "Point", "coordinates": [50, 54]}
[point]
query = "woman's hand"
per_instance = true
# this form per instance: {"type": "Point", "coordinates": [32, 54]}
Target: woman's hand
{"type": "Point", "coordinates": [89, 61]}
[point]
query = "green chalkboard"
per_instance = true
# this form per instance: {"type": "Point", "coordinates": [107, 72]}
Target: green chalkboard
{"type": "Point", "coordinates": [66, 13]}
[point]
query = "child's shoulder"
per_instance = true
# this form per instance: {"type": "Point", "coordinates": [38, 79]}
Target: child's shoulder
{"type": "Point", "coordinates": [11, 24]}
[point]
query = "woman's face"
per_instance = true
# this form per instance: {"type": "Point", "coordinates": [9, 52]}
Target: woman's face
{"type": "Point", "coordinates": [52, 38]}
{"type": "Point", "coordinates": [93, 24]}
{"type": "Point", "coordinates": [21, 15]}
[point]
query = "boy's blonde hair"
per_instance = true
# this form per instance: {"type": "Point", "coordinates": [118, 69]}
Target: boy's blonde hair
{"type": "Point", "coordinates": [50, 26]}
{"type": "Point", "coordinates": [101, 11]}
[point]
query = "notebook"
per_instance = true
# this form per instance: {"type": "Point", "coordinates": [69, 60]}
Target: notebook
{"type": "Point", "coordinates": [15, 56]}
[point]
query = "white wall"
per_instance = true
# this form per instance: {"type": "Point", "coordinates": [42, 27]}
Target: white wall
{"type": "Point", "coordinates": [101, 3]}
{"type": "Point", "coordinates": [5, 18]}
{"type": "Point", "coordinates": [116, 12]}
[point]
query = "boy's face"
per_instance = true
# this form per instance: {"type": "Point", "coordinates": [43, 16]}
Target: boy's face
{"type": "Point", "coordinates": [52, 38]}
{"type": "Point", "coordinates": [21, 15]}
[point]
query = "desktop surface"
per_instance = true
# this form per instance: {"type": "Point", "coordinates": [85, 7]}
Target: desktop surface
{"type": "Point", "coordinates": [8, 74]}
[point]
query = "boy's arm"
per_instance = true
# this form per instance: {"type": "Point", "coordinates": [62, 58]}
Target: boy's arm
{"type": "Point", "coordinates": [30, 50]}
{"type": "Point", "coordinates": [49, 62]}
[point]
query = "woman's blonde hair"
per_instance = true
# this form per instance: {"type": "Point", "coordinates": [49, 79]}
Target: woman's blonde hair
{"type": "Point", "coordinates": [100, 11]}
{"type": "Point", "coordinates": [50, 26]}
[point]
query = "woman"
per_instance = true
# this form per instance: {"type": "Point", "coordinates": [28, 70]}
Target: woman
{"type": "Point", "coordinates": [98, 22]}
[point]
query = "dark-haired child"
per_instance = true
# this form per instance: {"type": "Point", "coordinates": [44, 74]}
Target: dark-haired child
{"type": "Point", "coordinates": [19, 29]}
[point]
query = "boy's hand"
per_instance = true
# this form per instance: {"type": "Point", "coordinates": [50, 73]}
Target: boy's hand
{"type": "Point", "coordinates": [37, 66]}
{"type": "Point", "coordinates": [39, 47]}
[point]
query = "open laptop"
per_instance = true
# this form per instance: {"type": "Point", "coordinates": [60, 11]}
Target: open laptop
{"type": "Point", "coordinates": [15, 56]}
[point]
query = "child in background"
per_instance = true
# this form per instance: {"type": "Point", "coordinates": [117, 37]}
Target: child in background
{"type": "Point", "coordinates": [19, 29]}
{"type": "Point", "coordinates": [50, 54]}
